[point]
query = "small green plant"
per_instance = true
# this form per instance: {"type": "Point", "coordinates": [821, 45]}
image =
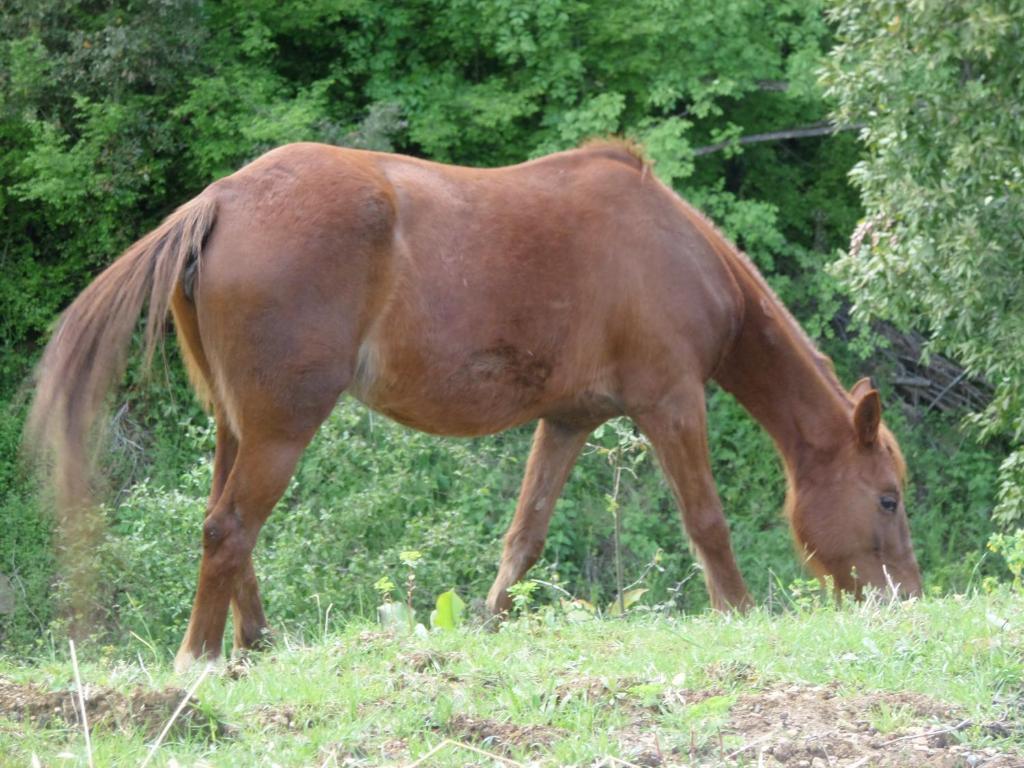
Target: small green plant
{"type": "Point", "coordinates": [522, 595]}
{"type": "Point", "coordinates": [1011, 547]}
{"type": "Point", "coordinates": [394, 615]}
{"type": "Point", "coordinates": [888, 718]}
{"type": "Point", "coordinates": [410, 559]}
{"type": "Point", "coordinates": [384, 587]}
{"type": "Point", "coordinates": [808, 594]}
{"type": "Point", "coordinates": [448, 611]}
{"type": "Point", "coordinates": [625, 454]}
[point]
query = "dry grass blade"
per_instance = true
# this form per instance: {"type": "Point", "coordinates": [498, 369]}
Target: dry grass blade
{"type": "Point", "coordinates": [611, 761]}
{"type": "Point", "coordinates": [952, 729]}
{"type": "Point", "coordinates": [437, 748]}
{"type": "Point", "coordinates": [81, 703]}
{"type": "Point", "coordinates": [745, 747]}
{"type": "Point", "coordinates": [174, 716]}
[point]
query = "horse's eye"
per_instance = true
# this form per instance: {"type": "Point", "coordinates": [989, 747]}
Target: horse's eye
{"type": "Point", "coordinates": [889, 503]}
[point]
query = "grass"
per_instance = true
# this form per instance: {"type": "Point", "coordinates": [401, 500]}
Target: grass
{"type": "Point", "coordinates": [546, 691]}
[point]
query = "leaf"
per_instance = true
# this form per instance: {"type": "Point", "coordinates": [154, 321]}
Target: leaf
{"type": "Point", "coordinates": [448, 613]}
{"type": "Point", "coordinates": [629, 598]}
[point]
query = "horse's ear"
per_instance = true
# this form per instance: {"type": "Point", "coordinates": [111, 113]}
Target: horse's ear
{"type": "Point", "coordinates": [861, 388]}
{"type": "Point", "coordinates": [867, 417]}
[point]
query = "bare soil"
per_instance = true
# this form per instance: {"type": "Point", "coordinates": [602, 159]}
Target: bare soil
{"type": "Point", "coordinates": [501, 737]}
{"type": "Point", "coordinates": [800, 726]}
{"type": "Point", "coordinates": [795, 726]}
{"type": "Point", "coordinates": [143, 710]}
{"type": "Point", "coordinates": [814, 726]}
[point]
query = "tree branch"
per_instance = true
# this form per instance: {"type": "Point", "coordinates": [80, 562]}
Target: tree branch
{"type": "Point", "coordinates": [773, 85]}
{"type": "Point", "coordinates": [817, 129]}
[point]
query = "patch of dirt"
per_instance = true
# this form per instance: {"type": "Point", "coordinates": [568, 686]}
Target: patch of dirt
{"type": "Point", "coordinates": [143, 710]}
{"type": "Point", "coordinates": [288, 718]}
{"type": "Point", "coordinates": [394, 749]}
{"type": "Point", "coordinates": [632, 694]}
{"type": "Point", "coordinates": [596, 690]}
{"type": "Point", "coordinates": [501, 737]}
{"type": "Point", "coordinates": [800, 726]}
{"type": "Point", "coordinates": [791, 726]}
{"type": "Point", "coordinates": [239, 666]}
{"type": "Point", "coordinates": [732, 672]}
{"type": "Point", "coordinates": [427, 661]}
{"type": "Point", "coordinates": [370, 638]}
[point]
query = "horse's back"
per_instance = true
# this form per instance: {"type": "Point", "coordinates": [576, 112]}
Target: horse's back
{"type": "Point", "coordinates": [459, 300]}
{"type": "Point", "coordinates": [541, 288]}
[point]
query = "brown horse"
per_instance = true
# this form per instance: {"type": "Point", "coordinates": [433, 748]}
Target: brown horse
{"type": "Point", "coordinates": [459, 301]}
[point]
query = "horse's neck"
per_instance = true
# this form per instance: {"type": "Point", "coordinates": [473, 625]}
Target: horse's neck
{"type": "Point", "coordinates": [776, 373]}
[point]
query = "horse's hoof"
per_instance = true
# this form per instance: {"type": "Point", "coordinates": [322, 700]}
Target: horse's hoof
{"type": "Point", "coordinates": [186, 660]}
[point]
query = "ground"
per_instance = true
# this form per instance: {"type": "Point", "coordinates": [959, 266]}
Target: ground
{"type": "Point", "coordinates": [937, 683]}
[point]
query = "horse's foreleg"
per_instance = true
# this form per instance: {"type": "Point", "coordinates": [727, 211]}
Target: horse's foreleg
{"type": "Point", "coordinates": [554, 451]}
{"type": "Point", "coordinates": [677, 429]}
{"type": "Point", "coordinates": [259, 476]}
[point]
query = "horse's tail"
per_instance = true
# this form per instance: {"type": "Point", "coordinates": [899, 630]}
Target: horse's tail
{"type": "Point", "coordinates": [86, 354]}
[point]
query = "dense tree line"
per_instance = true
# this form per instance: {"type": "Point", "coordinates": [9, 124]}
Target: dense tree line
{"type": "Point", "coordinates": [942, 246]}
{"type": "Point", "coordinates": [113, 112]}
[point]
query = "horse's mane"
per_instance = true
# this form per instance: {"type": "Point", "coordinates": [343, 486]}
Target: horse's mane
{"type": "Point", "coordinates": [733, 255]}
{"type": "Point", "coordinates": [822, 362]}
{"type": "Point", "coordinates": [619, 148]}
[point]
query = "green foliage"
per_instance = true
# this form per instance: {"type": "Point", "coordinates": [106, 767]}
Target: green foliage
{"type": "Point", "coordinates": [83, 120]}
{"type": "Point", "coordinates": [113, 114]}
{"type": "Point", "coordinates": [26, 553]}
{"type": "Point", "coordinates": [943, 187]}
{"type": "Point", "coordinates": [1011, 547]}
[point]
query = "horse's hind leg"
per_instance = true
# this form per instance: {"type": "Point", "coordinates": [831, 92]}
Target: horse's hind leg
{"type": "Point", "coordinates": [247, 609]}
{"type": "Point", "coordinates": [260, 473]}
{"type": "Point", "coordinates": [554, 451]}
{"type": "Point", "coordinates": [249, 620]}
{"type": "Point", "coordinates": [677, 429]}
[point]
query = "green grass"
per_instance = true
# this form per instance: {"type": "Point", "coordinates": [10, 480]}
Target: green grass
{"type": "Point", "coordinates": [549, 692]}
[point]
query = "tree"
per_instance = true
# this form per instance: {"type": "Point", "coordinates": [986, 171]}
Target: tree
{"type": "Point", "coordinates": [941, 248]}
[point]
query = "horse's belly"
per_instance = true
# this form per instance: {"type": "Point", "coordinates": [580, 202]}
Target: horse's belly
{"type": "Point", "coordinates": [476, 393]}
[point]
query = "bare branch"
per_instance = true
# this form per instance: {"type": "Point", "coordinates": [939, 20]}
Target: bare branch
{"type": "Point", "coordinates": [823, 128]}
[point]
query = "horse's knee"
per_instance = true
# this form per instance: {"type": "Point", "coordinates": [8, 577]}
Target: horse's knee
{"type": "Point", "coordinates": [225, 544]}
{"type": "Point", "coordinates": [708, 531]}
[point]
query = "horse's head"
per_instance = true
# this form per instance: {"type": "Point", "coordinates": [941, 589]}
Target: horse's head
{"type": "Point", "coordinates": [847, 506]}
